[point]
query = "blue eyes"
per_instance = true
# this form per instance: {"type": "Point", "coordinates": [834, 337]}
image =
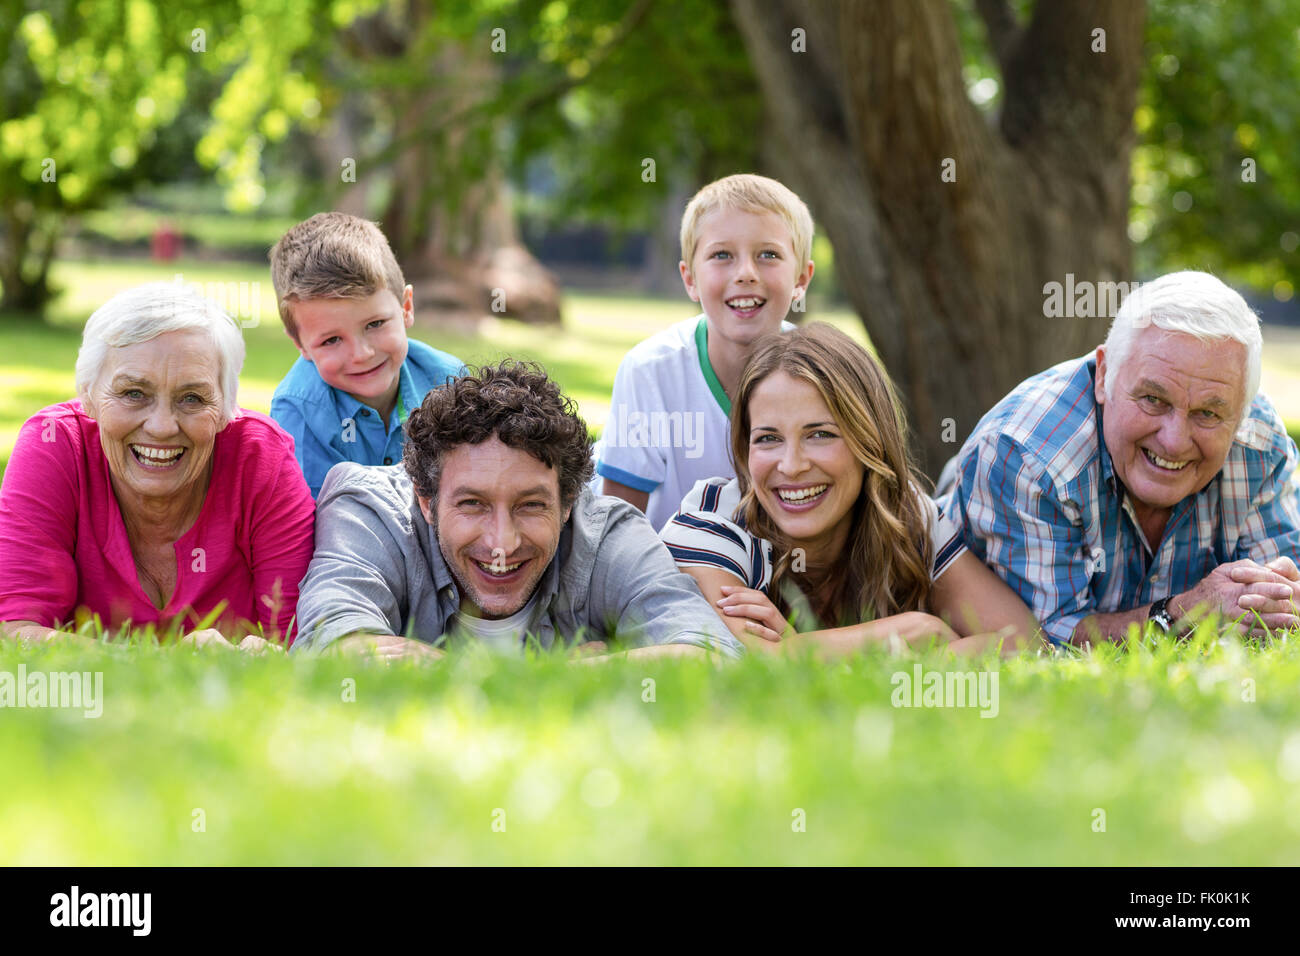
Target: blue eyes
{"type": "Point", "coordinates": [769, 253]}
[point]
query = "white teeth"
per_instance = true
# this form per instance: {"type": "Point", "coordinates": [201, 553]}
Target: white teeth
{"type": "Point", "coordinates": [157, 455]}
{"type": "Point", "coordinates": [501, 570]}
{"type": "Point", "coordinates": [745, 303]}
{"type": "Point", "coordinates": [802, 494]}
{"type": "Point", "coordinates": [1165, 462]}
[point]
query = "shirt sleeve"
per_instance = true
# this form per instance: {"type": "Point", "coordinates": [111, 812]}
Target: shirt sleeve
{"type": "Point", "coordinates": [1014, 523]}
{"type": "Point", "coordinates": [700, 536]}
{"type": "Point", "coordinates": [945, 537]}
{"type": "Point", "coordinates": [282, 520]}
{"type": "Point", "coordinates": [1272, 527]}
{"type": "Point", "coordinates": [38, 525]}
{"type": "Point", "coordinates": [637, 464]}
{"type": "Point", "coordinates": [636, 588]}
{"type": "Point", "coordinates": [356, 581]}
{"type": "Point", "coordinates": [314, 457]}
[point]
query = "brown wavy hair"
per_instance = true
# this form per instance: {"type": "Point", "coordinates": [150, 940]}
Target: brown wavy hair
{"type": "Point", "coordinates": [515, 401]}
{"type": "Point", "coordinates": [886, 569]}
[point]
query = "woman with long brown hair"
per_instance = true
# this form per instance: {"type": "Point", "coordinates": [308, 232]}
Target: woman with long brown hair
{"type": "Point", "coordinates": [825, 537]}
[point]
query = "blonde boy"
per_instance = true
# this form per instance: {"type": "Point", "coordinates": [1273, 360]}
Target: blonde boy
{"type": "Point", "coordinates": [347, 308]}
{"type": "Point", "coordinates": [746, 247]}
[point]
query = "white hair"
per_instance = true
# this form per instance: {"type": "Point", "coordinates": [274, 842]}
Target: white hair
{"type": "Point", "coordinates": [148, 311]}
{"type": "Point", "coordinates": [1194, 303]}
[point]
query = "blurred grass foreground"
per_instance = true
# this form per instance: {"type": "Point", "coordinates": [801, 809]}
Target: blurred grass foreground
{"type": "Point", "coordinates": [1166, 754]}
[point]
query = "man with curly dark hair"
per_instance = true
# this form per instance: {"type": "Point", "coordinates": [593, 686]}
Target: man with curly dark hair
{"type": "Point", "coordinates": [488, 532]}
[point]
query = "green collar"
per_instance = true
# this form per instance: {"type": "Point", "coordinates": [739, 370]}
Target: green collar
{"type": "Point", "coordinates": [710, 376]}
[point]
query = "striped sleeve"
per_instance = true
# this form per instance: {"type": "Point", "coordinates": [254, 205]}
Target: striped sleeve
{"type": "Point", "coordinates": [703, 534]}
{"type": "Point", "coordinates": [945, 534]}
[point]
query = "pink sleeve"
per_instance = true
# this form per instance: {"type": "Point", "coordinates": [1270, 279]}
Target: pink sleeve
{"type": "Point", "coordinates": [282, 538]}
{"type": "Point", "coordinates": [38, 522]}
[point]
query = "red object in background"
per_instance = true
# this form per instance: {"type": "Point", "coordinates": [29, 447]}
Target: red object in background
{"type": "Point", "coordinates": [166, 243]}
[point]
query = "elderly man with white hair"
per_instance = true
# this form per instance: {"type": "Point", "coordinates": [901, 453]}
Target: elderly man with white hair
{"type": "Point", "coordinates": [153, 498]}
{"type": "Point", "coordinates": [1144, 481]}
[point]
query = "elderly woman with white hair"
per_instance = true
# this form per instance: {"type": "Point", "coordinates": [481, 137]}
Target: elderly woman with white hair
{"type": "Point", "coordinates": [1144, 481]}
{"type": "Point", "coordinates": [153, 498]}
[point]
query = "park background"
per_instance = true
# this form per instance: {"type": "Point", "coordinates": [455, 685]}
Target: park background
{"type": "Point", "coordinates": [957, 155]}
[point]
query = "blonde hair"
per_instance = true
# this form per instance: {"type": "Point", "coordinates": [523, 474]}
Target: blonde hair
{"type": "Point", "coordinates": [886, 567]}
{"type": "Point", "coordinates": [332, 256]}
{"type": "Point", "coordinates": [749, 193]}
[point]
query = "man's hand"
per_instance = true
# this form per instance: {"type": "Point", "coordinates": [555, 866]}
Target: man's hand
{"type": "Point", "coordinates": [588, 649]}
{"type": "Point", "coordinates": [1240, 590]}
{"type": "Point", "coordinates": [389, 647]}
{"type": "Point", "coordinates": [762, 619]}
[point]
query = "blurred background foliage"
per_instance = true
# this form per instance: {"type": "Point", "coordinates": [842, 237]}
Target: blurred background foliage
{"type": "Point", "coordinates": [229, 114]}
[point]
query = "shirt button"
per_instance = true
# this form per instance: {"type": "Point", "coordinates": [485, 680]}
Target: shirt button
{"type": "Point", "coordinates": [388, 461]}
{"type": "Point", "coordinates": [365, 413]}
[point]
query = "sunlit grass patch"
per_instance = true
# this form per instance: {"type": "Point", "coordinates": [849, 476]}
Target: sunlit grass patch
{"type": "Point", "coordinates": [481, 759]}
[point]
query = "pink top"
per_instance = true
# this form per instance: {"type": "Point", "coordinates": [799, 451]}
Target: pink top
{"type": "Point", "coordinates": [63, 543]}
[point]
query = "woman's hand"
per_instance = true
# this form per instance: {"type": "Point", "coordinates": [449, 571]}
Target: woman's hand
{"type": "Point", "coordinates": [761, 617]}
{"type": "Point", "coordinates": [914, 628]}
{"type": "Point", "coordinates": [207, 637]}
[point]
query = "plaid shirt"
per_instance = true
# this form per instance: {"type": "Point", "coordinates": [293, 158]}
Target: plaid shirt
{"type": "Point", "coordinates": [1041, 504]}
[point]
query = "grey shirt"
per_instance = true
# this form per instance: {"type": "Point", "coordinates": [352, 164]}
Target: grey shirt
{"type": "Point", "coordinates": [378, 569]}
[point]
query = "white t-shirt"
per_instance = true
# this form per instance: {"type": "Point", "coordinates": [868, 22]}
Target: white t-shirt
{"type": "Point", "coordinates": [668, 425]}
{"type": "Point", "coordinates": [504, 635]}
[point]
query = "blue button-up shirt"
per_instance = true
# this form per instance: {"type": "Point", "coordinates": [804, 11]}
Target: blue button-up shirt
{"type": "Point", "coordinates": [329, 426]}
{"type": "Point", "coordinates": [1041, 504]}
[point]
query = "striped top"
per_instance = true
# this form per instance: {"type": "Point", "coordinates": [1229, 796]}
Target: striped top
{"type": "Point", "coordinates": [708, 531]}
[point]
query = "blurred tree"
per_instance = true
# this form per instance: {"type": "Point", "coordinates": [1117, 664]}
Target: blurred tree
{"type": "Point", "coordinates": [1214, 184]}
{"type": "Point", "coordinates": [947, 226]}
{"type": "Point", "coordinates": [88, 89]}
{"type": "Point", "coordinates": [85, 89]}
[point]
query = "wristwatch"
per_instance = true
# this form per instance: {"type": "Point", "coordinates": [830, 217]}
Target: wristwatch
{"type": "Point", "coordinates": [1160, 615]}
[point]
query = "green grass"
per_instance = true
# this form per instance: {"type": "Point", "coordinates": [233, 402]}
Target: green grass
{"type": "Point", "coordinates": [1191, 750]}
{"type": "Point", "coordinates": [37, 361]}
{"type": "Point", "coordinates": [712, 771]}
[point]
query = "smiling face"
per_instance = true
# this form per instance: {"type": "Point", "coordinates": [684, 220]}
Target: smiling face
{"type": "Point", "coordinates": [1175, 405]}
{"type": "Point", "coordinates": [802, 470]}
{"type": "Point", "coordinates": [498, 521]}
{"type": "Point", "coordinates": [744, 273]}
{"type": "Point", "coordinates": [159, 407]}
{"type": "Point", "coordinates": [358, 345]}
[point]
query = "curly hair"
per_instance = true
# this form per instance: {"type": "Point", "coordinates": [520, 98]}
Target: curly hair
{"type": "Point", "coordinates": [516, 402]}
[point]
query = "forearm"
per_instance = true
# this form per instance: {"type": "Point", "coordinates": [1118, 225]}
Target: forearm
{"type": "Point", "coordinates": [34, 633]}
{"type": "Point", "coordinates": [646, 653]}
{"type": "Point", "coordinates": [1108, 627]}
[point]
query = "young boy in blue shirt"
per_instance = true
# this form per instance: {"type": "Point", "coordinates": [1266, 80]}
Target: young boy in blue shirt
{"type": "Point", "coordinates": [346, 306]}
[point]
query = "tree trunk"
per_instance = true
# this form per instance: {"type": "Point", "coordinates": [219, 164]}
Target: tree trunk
{"type": "Point", "coordinates": [26, 251]}
{"type": "Point", "coordinates": [949, 276]}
